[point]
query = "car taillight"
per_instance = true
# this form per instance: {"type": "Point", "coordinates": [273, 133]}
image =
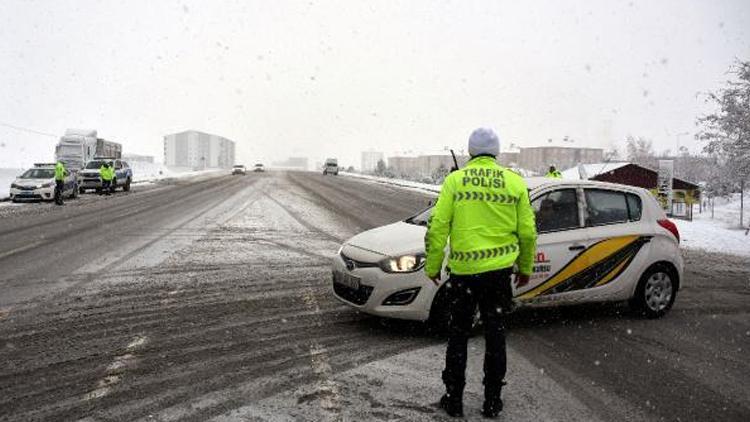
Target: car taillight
{"type": "Point", "coordinates": [672, 227]}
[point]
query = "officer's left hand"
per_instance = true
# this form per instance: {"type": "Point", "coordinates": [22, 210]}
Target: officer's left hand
{"type": "Point", "coordinates": [522, 280]}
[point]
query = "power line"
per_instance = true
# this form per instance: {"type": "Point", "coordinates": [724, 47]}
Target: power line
{"type": "Point", "coordinates": [24, 129]}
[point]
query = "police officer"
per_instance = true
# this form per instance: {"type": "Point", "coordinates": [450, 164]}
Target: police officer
{"type": "Point", "coordinates": [107, 174]}
{"type": "Point", "coordinates": [553, 173]}
{"type": "Point", "coordinates": [484, 209]}
{"type": "Point", "coordinates": [60, 173]}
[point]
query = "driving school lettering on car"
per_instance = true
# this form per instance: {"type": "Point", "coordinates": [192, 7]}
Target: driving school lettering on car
{"type": "Point", "coordinates": [542, 266]}
{"type": "Point", "coordinates": [596, 266]}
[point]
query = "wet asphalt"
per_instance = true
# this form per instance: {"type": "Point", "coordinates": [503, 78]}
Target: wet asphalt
{"type": "Point", "coordinates": [187, 299]}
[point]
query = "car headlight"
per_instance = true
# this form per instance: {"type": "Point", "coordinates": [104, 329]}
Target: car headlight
{"type": "Point", "coordinates": [15, 186]}
{"type": "Point", "coordinates": [403, 264]}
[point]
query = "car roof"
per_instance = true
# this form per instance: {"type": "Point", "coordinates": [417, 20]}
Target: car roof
{"type": "Point", "coordinates": [534, 183]}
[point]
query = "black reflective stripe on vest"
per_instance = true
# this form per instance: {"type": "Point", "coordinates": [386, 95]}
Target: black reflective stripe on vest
{"type": "Point", "coordinates": [483, 254]}
{"type": "Point", "coordinates": [485, 196]}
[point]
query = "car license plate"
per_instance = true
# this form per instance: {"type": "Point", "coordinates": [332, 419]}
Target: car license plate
{"type": "Point", "coordinates": [347, 280]}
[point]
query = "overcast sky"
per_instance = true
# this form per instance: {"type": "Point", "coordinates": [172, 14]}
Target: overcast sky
{"type": "Point", "coordinates": [319, 78]}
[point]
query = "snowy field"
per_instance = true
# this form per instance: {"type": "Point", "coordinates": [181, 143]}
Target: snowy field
{"type": "Point", "coordinates": [406, 184]}
{"type": "Point", "coordinates": [6, 178]}
{"type": "Point", "coordinates": [720, 234]}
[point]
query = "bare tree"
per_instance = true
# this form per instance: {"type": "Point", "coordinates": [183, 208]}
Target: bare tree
{"type": "Point", "coordinates": [727, 131]}
{"type": "Point", "coordinates": [380, 167]}
{"type": "Point", "coordinates": [640, 151]}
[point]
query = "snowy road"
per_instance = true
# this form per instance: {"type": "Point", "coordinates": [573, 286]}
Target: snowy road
{"type": "Point", "coordinates": [210, 300]}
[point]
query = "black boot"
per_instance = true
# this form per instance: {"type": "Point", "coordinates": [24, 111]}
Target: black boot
{"type": "Point", "coordinates": [452, 402]}
{"type": "Point", "coordinates": [493, 403]}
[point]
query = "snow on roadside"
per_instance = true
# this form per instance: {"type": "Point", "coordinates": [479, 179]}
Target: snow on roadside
{"type": "Point", "coordinates": [150, 172]}
{"type": "Point", "coordinates": [720, 233]}
{"type": "Point", "coordinates": [7, 176]}
{"type": "Point", "coordinates": [405, 184]}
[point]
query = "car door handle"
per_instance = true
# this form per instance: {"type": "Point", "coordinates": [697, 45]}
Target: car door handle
{"type": "Point", "coordinates": [576, 247]}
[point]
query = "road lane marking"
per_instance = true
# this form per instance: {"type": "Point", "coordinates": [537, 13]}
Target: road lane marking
{"type": "Point", "coordinates": [21, 249]}
{"type": "Point", "coordinates": [116, 370]}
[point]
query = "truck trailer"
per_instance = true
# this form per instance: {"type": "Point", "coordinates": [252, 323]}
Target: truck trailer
{"type": "Point", "coordinates": [79, 146]}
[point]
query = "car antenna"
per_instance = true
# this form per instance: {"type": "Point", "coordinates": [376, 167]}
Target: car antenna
{"type": "Point", "coordinates": [455, 162]}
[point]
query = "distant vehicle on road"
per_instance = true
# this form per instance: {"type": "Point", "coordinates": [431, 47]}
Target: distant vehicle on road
{"type": "Point", "coordinates": [598, 242]}
{"type": "Point", "coordinates": [259, 168]}
{"type": "Point", "coordinates": [239, 169]}
{"type": "Point", "coordinates": [79, 146]}
{"type": "Point", "coordinates": [90, 175]}
{"type": "Point", "coordinates": [331, 166]}
{"type": "Point", "coordinates": [38, 183]}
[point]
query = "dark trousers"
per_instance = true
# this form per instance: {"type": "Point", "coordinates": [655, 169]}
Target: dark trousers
{"type": "Point", "coordinates": [59, 187]}
{"type": "Point", "coordinates": [492, 292]}
{"type": "Point", "coordinates": [106, 186]}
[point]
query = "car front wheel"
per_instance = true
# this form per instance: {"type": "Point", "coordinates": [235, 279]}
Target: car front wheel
{"type": "Point", "coordinates": [656, 292]}
{"type": "Point", "coordinates": [126, 188]}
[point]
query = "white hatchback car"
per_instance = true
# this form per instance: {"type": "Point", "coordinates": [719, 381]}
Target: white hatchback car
{"type": "Point", "coordinates": [597, 242]}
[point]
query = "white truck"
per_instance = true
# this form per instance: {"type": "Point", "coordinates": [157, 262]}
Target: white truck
{"type": "Point", "coordinates": [331, 166]}
{"type": "Point", "coordinates": [79, 146]}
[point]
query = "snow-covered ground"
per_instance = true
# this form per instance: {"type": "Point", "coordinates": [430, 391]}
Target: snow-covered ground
{"type": "Point", "coordinates": [6, 178]}
{"type": "Point", "coordinates": [720, 234]}
{"type": "Point", "coordinates": [406, 184]}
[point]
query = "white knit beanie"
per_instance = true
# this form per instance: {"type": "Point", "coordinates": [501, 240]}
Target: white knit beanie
{"type": "Point", "coordinates": [484, 141]}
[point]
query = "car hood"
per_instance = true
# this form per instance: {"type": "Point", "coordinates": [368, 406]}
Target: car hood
{"type": "Point", "coordinates": [392, 240]}
{"type": "Point", "coordinates": [33, 182]}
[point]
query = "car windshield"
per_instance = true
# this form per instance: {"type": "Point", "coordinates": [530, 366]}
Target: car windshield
{"type": "Point", "coordinates": [421, 218]}
{"type": "Point", "coordinates": [38, 174]}
{"type": "Point", "coordinates": [96, 165]}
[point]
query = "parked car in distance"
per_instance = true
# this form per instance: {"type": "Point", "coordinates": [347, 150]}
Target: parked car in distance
{"type": "Point", "coordinates": [331, 166]}
{"type": "Point", "coordinates": [38, 183]}
{"type": "Point", "coordinates": [597, 242]}
{"type": "Point", "coordinates": [90, 175]}
{"type": "Point", "coordinates": [239, 169]}
{"type": "Point", "coordinates": [259, 168]}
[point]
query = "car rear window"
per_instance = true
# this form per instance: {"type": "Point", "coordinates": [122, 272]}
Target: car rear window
{"type": "Point", "coordinates": [635, 208]}
{"type": "Point", "coordinates": [611, 207]}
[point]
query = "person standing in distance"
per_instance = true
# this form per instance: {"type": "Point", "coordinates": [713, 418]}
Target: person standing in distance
{"type": "Point", "coordinates": [107, 174]}
{"type": "Point", "coordinates": [60, 173]}
{"type": "Point", "coordinates": [553, 173]}
{"type": "Point", "coordinates": [484, 209]}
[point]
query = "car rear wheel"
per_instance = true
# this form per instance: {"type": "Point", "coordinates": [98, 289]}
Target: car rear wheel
{"type": "Point", "coordinates": [656, 292]}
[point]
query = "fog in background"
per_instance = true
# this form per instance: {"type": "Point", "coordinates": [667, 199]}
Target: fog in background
{"type": "Point", "coordinates": [320, 78]}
